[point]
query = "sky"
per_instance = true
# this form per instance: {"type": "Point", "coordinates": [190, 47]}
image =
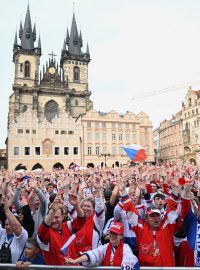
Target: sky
{"type": "Point", "coordinates": [137, 47]}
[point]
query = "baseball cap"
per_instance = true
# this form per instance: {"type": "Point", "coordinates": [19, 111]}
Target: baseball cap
{"type": "Point", "coordinates": [117, 227]}
{"type": "Point", "coordinates": [159, 195]}
{"type": "Point", "coordinates": [152, 211]}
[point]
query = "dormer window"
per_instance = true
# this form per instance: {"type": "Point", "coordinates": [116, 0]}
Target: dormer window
{"type": "Point", "coordinates": [27, 69]}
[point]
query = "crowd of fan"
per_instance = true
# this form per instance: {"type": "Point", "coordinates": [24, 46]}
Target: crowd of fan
{"type": "Point", "coordinates": [144, 215]}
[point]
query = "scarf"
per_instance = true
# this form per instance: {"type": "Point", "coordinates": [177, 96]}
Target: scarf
{"type": "Point", "coordinates": [83, 240]}
{"type": "Point", "coordinates": [117, 260]}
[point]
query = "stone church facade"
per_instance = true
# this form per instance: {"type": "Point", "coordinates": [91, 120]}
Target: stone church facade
{"type": "Point", "coordinates": [50, 107]}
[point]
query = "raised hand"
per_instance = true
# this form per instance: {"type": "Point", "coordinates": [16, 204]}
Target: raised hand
{"type": "Point", "coordinates": [56, 203]}
{"type": "Point", "coordinates": [97, 183]}
{"type": "Point", "coordinates": [73, 199]}
{"type": "Point", "coordinates": [6, 204]}
{"type": "Point", "coordinates": [141, 184]}
{"type": "Point", "coordinates": [32, 183]}
{"type": "Point", "coordinates": [121, 184]}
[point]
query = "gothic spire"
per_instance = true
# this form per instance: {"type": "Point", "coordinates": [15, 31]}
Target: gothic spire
{"type": "Point", "coordinates": [34, 32]}
{"type": "Point", "coordinates": [27, 39]}
{"type": "Point", "coordinates": [67, 38]}
{"type": "Point", "coordinates": [15, 41]}
{"type": "Point", "coordinates": [80, 39]}
{"type": "Point", "coordinates": [64, 45]}
{"type": "Point", "coordinates": [74, 41]}
{"type": "Point", "coordinates": [87, 49]}
{"type": "Point", "coordinates": [20, 30]}
{"type": "Point", "coordinates": [39, 43]}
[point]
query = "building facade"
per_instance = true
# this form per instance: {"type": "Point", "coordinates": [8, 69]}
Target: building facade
{"type": "Point", "coordinates": [50, 108]}
{"type": "Point", "coordinates": [191, 124]}
{"type": "Point", "coordinates": [171, 140]}
{"type": "Point", "coordinates": [105, 133]}
{"type": "Point", "coordinates": [179, 138]}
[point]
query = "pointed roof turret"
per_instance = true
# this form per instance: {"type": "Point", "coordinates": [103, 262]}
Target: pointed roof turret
{"type": "Point", "coordinates": [15, 41]}
{"type": "Point", "coordinates": [80, 39]}
{"type": "Point", "coordinates": [39, 43]}
{"type": "Point", "coordinates": [74, 42]}
{"type": "Point", "coordinates": [87, 49]}
{"type": "Point", "coordinates": [34, 32]}
{"type": "Point", "coordinates": [27, 39]}
{"type": "Point", "coordinates": [20, 30]}
{"type": "Point", "coordinates": [64, 45]}
{"type": "Point", "coordinates": [67, 38]}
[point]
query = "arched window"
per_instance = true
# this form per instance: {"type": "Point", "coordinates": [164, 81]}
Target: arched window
{"type": "Point", "coordinates": [76, 74]}
{"type": "Point", "coordinates": [50, 110]}
{"type": "Point", "coordinates": [27, 69]}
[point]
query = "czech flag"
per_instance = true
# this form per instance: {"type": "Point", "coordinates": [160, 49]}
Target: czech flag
{"type": "Point", "coordinates": [135, 152]}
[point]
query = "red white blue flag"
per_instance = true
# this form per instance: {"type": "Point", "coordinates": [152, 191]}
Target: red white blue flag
{"type": "Point", "coordinates": [135, 152]}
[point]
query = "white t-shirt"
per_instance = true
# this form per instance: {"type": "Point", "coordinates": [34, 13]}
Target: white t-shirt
{"type": "Point", "coordinates": [17, 245]}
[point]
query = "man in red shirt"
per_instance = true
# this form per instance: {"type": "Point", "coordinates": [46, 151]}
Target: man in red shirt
{"type": "Point", "coordinates": [53, 233]}
{"type": "Point", "coordinates": [154, 235]}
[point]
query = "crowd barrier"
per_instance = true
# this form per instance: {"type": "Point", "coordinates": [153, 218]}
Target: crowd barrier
{"type": "Point", "coordinates": [49, 267]}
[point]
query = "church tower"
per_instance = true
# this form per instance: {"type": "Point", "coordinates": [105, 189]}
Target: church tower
{"type": "Point", "coordinates": [45, 108]}
{"type": "Point", "coordinates": [75, 68]}
{"type": "Point", "coordinates": [26, 57]}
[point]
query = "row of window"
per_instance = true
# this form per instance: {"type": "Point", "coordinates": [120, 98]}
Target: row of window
{"type": "Point", "coordinates": [27, 70]}
{"type": "Point", "coordinates": [191, 113]}
{"type": "Point", "coordinates": [77, 63]}
{"type": "Point", "coordinates": [170, 130]}
{"type": "Point", "coordinates": [37, 151]}
{"type": "Point", "coordinates": [64, 132]}
{"type": "Point", "coordinates": [114, 125]}
{"type": "Point", "coordinates": [103, 136]}
{"type": "Point", "coordinates": [28, 131]}
{"type": "Point", "coordinates": [96, 150]}
{"type": "Point", "coordinates": [115, 150]}
{"type": "Point", "coordinates": [171, 139]}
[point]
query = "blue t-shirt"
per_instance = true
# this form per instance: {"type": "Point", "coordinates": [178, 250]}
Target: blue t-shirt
{"type": "Point", "coordinates": [38, 259]}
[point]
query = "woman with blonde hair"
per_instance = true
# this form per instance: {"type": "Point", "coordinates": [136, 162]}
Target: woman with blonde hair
{"type": "Point", "coordinates": [89, 237]}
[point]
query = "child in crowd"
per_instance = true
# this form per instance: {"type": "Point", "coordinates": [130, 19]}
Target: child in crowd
{"type": "Point", "coordinates": [31, 255]}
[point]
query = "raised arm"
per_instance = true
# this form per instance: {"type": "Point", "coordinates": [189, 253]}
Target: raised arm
{"type": "Point", "coordinates": [16, 200]}
{"type": "Point", "coordinates": [41, 197]}
{"type": "Point", "coordinates": [99, 217]}
{"type": "Point", "coordinates": [17, 228]}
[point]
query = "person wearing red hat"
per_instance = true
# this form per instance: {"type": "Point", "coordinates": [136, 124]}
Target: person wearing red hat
{"type": "Point", "coordinates": [154, 235]}
{"type": "Point", "coordinates": [115, 253]}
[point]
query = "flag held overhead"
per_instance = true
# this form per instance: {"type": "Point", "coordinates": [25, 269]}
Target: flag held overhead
{"type": "Point", "coordinates": [135, 152]}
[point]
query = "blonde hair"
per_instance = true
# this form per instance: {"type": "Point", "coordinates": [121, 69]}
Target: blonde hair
{"type": "Point", "coordinates": [89, 199]}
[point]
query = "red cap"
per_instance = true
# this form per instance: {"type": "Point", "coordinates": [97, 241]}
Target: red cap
{"type": "Point", "coordinates": [152, 211]}
{"type": "Point", "coordinates": [117, 228]}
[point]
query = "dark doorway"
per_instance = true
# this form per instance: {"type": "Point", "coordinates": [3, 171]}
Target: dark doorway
{"type": "Point", "coordinates": [20, 167]}
{"type": "Point", "coordinates": [58, 165]}
{"type": "Point", "coordinates": [37, 166]}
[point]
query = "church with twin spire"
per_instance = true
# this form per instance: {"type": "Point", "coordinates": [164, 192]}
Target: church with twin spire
{"type": "Point", "coordinates": [51, 120]}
